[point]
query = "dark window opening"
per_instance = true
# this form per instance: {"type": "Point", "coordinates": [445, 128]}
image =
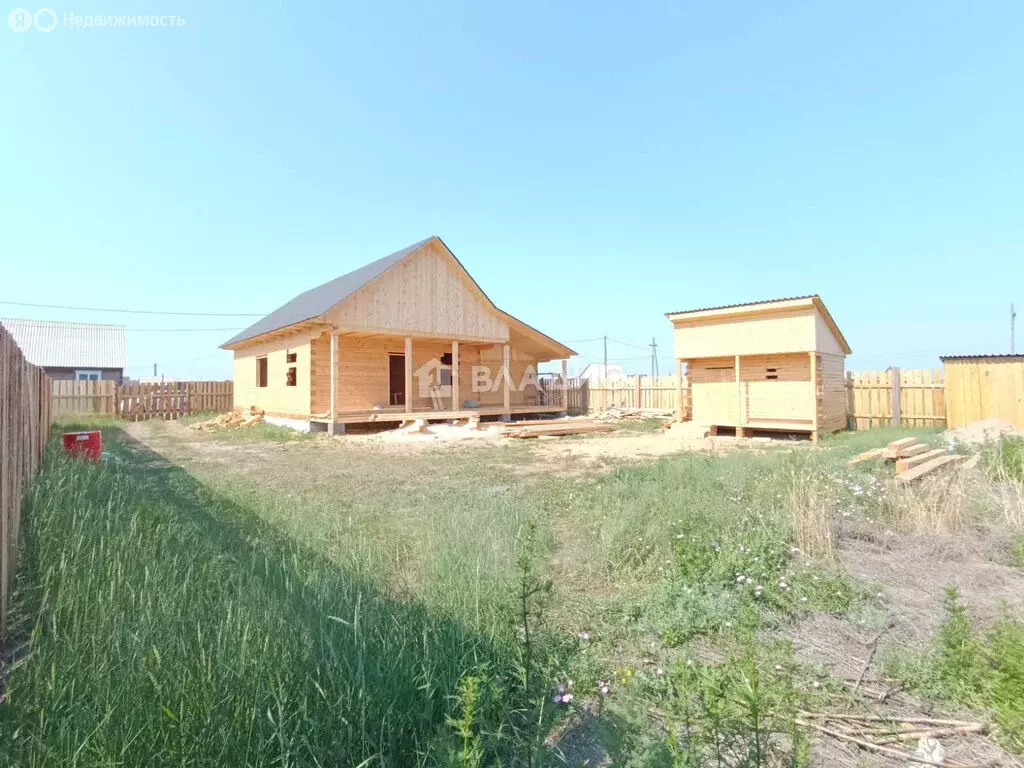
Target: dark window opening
{"type": "Point", "coordinates": [446, 358]}
{"type": "Point", "coordinates": [291, 357]}
{"type": "Point", "coordinates": [292, 377]}
{"type": "Point", "coordinates": [261, 371]}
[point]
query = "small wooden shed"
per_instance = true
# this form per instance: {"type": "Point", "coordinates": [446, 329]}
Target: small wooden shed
{"type": "Point", "coordinates": [982, 387]}
{"type": "Point", "coordinates": [772, 365]}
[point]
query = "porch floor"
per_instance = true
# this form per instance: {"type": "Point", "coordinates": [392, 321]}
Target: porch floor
{"type": "Point", "coordinates": [398, 413]}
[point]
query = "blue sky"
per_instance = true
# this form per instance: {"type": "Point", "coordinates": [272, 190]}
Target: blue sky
{"type": "Point", "coordinates": [593, 165]}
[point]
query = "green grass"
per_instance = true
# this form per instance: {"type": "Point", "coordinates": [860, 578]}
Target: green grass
{"type": "Point", "coordinates": [1005, 459]}
{"type": "Point", "coordinates": [321, 603]}
{"type": "Point", "coordinates": [983, 671]}
{"type": "Point", "coordinates": [171, 625]}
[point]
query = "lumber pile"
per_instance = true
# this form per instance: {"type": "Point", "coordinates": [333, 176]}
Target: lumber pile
{"type": "Point", "coordinates": [621, 413]}
{"type": "Point", "coordinates": [913, 458]}
{"type": "Point", "coordinates": [882, 735]}
{"type": "Point", "coordinates": [230, 420]}
{"type": "Point", "coordinates": [555, 427]}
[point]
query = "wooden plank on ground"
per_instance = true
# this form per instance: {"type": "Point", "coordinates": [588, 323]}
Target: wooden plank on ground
{"type": "Point", "coordinates": [895, 449]}
{"type": "Point", "coordinates": [914, 450]}
{"type": "Point", "coordinates": [922, 458]}
{"type": "Point", "coordinates": [874, 453]}
{"type": "Point", "coordinates": [927, 468]}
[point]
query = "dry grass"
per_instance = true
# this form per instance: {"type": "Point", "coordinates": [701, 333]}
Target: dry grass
{"type": "Point", "coordinates": [954, 502]}
{"type": "Point", "coordinates": [813, 514]}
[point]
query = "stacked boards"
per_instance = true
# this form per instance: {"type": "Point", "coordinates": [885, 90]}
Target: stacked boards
{"type": "Point", "coordinates": [913, 458]}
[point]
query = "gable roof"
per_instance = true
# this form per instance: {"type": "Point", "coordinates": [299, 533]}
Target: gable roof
{"type": "Point", "coordinates": [317, 301]}
{"type": "Point", "coordinates": [752, 307]}
{"type": "Point", "coordinates": [56, 344]}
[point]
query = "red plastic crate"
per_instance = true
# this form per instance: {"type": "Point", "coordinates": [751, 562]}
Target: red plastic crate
{"type": "Point", "coordinates": [89, 445]}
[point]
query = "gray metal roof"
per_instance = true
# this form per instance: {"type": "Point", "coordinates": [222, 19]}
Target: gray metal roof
{"type": "Point", "coordinates": [57, 344]}
{"type": "Point", "coordinates": [316, 301]}
{"type": "Point", "coordinates": [981, 357]}
{"type": "Point", "coordinates": [744, 304]}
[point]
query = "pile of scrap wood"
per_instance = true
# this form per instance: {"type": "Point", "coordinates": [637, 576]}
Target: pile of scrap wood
{"type": "Point", "coordinates": [882, 735]}
{"type": "Point", "coordinates": [913, 458]}
{"type": "Point", "coordinates": [555, 427]}
{"type": "Point", "coordinates": [230, 420]}
{"type": "Point", "coordinates": [620, 413]}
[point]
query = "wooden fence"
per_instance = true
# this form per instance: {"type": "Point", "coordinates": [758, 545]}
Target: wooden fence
{"type": "Point", "coordinates": [655, 395]}
{"type": "Point", "coordinates": [919, 397]}
{"type": "Point", "coordinates": [24, 425]}
{"type": "Point", "coordinates": [136, 401]}
{"type": "Point", "coordinates": [907, 398]}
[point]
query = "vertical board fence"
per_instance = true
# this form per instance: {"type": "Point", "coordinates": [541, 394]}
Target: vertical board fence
{"type": "Point", "coordinates": [136, 401]}
{"type": "Point", "coordinates": [24, 425]}
{"type": "Point", "coordinates": [919, 397]}
{"type": "Point", "coordinates": [656, 394]}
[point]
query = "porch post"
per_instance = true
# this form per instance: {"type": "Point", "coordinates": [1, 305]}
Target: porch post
{"type": "Point", "coordinates": [334, 380]}
{"type": "Point", "coordinates": [565, 385]}
{"type": "Point", "coordinates": [740, 432]}
{"type": "Point", "coordinates": [506, 375]}
{"type": "Point", "coordinates": [408, 374]}
{"type": "Point", "coordinates": [680, 411]}
{"type": "Point", "coordinates": [456, 398]}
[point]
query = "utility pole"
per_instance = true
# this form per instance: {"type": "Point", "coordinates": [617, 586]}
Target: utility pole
{"type": "Point", "coordinates": [154, 370]}
{"type": "Point", "coordinates": [1013, 321]}
{"type": "Point", "coordinates": [654, 359]}
{"type": "Point", "coordinates": [605, 374]}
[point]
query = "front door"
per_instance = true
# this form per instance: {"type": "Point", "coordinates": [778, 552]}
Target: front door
{"type": "Point", "coordinates": [396, 379]}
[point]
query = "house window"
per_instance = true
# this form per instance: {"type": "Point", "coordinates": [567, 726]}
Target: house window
{"type": "Point", "coordinates": [291, 377]}
{"type": "Point", "coordinates": [291, 357]}
{"type": "Point", "coordinates": [261, 371]}
{"type": "Point", "coordinates": [87, 375]}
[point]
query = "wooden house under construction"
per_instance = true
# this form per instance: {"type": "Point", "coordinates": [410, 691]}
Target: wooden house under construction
{"type": "Point", "coordinates": [411, 335]}
{"type": "Point", "coordinates": [772, 366]}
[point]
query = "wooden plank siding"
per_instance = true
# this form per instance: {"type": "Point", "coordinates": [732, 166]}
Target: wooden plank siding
{"type": "Point", "coordinates": [985, 388]}
{"type": "Point", "coordinates": [24, 427]}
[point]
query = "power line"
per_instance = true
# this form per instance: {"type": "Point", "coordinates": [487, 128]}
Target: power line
{"type": "Point", "coordinates": [627, 344]}
{"type": "Point", "coordinates": [135, 311]}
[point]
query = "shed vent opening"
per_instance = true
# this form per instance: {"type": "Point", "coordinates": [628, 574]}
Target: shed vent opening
{"type": "Point", "coordinates": [771, 373]}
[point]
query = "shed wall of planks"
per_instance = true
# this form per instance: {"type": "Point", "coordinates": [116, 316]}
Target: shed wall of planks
{"type": "Point", "coordinates": [24, 426]}
{"type": "Point", "coordinates": [985, 388]}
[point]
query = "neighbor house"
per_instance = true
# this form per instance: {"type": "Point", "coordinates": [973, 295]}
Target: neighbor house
{"type": "Point", "coordinates": [772, 365]}
{"type": "Point", "coordinates": [71, 351]}
{"type": "Point", "coordinates": [411, 335]}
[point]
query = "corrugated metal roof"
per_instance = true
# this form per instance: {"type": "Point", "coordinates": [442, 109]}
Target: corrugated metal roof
{"type": "Point", "coordinates": [69, 345]}
{"type": "Point", "coordinates": [980, 357]}
{"type": "Point", "coordinates": [316, 301]}
{"type": "Point", "coordinates": [744, 304]}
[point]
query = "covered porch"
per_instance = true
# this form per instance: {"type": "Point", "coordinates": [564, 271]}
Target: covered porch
{"type": "Point", "coordinates": [372, 377]}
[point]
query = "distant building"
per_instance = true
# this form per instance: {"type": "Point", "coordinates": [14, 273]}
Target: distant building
{"type": "Point", "coordinates": [71, 351]}
{"type": "Point", "coordinates": [596, 371]}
